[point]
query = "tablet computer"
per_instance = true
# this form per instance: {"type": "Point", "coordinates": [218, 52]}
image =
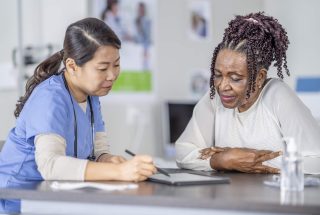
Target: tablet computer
{"type": "Point", "coordinates": [179, 179]}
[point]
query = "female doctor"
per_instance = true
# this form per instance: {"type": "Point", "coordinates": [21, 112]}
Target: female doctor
{"type": "Point", "coordinates": [59, 133]}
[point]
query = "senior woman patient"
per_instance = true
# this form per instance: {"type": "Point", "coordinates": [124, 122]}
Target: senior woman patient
{"type": "Point", "coordinates": [239, 124]}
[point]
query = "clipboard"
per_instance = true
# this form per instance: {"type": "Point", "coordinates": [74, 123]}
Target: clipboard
{"type": "Point", "coordinates": [181, 179]}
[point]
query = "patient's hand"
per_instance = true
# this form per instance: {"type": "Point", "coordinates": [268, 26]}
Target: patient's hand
{"type": "Point", "coordinates": [208, 152]}
{"type": "Point", "coordinates": [108, 158]}
{"type": "Point", "coordinates": [244, 160]}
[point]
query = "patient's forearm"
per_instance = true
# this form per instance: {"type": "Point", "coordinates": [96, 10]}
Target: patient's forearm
{"type": "Point", "coordinates": [218, 162]}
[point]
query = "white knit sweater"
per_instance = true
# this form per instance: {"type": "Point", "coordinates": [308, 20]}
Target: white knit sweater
{"type": "Point", "coordinates": [276, 113]}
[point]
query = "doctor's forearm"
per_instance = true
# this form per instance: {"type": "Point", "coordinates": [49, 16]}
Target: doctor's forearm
{"type": "Point", "coordinates": [52, 162]}
{"type": "Point", "coordinates": [101, 171]}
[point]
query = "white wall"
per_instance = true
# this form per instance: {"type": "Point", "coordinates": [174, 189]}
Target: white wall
{"type": "Point", "coordinates": [44, 21]}
{"type": "Point", "coordinates": [301, 20]}
{"type": "Point", "coordinates": [8, 24]}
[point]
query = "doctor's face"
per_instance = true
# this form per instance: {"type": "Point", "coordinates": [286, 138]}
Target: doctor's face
{"type": "Point", "coordinates": [98, 75]}
{"type": "Point", "coordinates": [231, 80]}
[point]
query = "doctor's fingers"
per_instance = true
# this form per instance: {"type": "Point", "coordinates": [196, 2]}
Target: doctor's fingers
{"type": "Point", "coordinates": [121, 159]}
{"type": "Point", "coordinates": [147, 167]}
{"type": "Point", "coordinates": [139, 177]}
{"type": "Point", "coordinates": [267, 156]}
{"type": "Point", "coordinates": [143, 158]}
{"type": "Point", "coordinates": [145, 173]}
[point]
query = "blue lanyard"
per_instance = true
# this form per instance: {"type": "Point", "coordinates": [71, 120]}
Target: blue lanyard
{"type": "Point", "coordinates": [91, 157]}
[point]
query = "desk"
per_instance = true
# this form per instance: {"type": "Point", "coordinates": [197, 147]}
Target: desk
{"type": "Point", "coordinates": [246, 193]}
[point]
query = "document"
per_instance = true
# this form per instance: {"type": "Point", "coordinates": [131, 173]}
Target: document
{"type": "Point", "coordinates": [57, 185]}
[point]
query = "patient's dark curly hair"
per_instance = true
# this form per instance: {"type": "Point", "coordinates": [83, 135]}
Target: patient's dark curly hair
{"type": "Point", "coordinates": [261, 38]}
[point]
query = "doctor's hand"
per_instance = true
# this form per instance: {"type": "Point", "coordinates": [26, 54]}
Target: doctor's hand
{"type": "Point", "coordinates": [244, 160]}
{"type": "Point", "coordinates": [108, 158]}
{"type": "Point", "coordinates": [139, 168]}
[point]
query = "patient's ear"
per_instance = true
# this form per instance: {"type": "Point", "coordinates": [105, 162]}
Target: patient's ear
{"type": "Point", "coordinates": [261, 77]}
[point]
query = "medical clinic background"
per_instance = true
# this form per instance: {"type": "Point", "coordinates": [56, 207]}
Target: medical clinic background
{"type": "Point", "coordinates": [183, 35]}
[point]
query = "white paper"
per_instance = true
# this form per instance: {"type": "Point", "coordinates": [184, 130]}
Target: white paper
{"type": "Point", "coordinates": [56, 185]}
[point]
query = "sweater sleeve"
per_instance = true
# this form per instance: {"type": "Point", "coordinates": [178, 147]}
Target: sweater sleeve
{"type": "Point", "coordinates": [197, 135]}
{"type": "Point", "coordinates": [52, 162]}
{"type": "Point", "coordinates": [101, 145]}
{"type": "Point", "coordinates": [296, 121]}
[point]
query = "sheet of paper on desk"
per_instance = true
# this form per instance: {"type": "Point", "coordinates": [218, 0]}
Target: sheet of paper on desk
{"type": "Point", "coordinates": [57, 185]}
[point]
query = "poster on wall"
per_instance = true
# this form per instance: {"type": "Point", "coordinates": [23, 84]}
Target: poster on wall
{"type": "Point", "coordinates": [133, 21]}
{"type": "Point", "coordinates": [199, 20]}
{"type": "Point", "coordinates": [199, 83]}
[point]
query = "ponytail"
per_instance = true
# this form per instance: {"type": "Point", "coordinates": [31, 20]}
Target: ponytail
{"type": "Point", "coordinates": [43, 71]}
{"type": "Point", "coordinates": [81, 41]}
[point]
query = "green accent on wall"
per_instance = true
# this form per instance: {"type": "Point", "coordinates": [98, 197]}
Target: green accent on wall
{"type": "Point", "coordinates": [133, 81]}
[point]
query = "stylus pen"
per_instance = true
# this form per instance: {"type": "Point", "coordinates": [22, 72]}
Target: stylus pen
{"type": "Point", "coordinates": [158, 169]}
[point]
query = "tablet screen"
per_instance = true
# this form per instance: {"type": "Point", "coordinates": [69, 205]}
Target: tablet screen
{"type": "Point", "coordinates": [187, 178]}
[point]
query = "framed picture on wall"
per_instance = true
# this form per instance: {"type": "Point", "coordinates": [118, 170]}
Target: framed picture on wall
{"type": "Point", "coordinates": [133, 21]}
{"type": "Point", "coordinates": [199, 20]}
{"type": "Point", "coordinates": [199, 83]}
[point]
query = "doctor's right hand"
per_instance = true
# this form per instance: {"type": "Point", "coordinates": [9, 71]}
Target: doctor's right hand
{"type": "Point", "coordinates": [139, 168]}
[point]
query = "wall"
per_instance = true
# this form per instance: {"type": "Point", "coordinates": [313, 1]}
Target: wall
{"type": "Point", "coordinates": [301, 20]}
{"type": "Point", "coordinates": [8, 23]}
{"type": "Point", "coordinates": [41, 25]}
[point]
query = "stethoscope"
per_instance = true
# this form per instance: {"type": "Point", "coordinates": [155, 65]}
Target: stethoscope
{"type": "Point", "coordinates": [91, 157]}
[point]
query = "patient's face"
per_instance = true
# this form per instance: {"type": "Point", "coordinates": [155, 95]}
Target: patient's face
{"type": "Point", "coordinates": [231, 80]}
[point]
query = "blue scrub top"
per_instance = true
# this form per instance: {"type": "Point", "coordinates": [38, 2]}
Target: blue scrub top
{"type": "Point", "coordinates": [48, 110]}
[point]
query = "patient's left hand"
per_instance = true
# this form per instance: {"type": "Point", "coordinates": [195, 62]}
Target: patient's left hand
{"type": "Point", "coordinates": [108, 158]}
{"type": "Point", "coordinates": [208, 152]}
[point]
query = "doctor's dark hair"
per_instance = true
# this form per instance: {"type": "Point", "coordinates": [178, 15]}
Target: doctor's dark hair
{"type": "Point", "coordinates": [261, 38]}
{"type": "Point", "coordinates": [82, 39]}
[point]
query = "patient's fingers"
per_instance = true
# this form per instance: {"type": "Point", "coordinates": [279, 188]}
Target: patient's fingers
{"type": "Point", "coordinates": [263, 152]}
{"type": "Point", "coordinates": [265, 169]}
{"type": "Point", "coordinates": [208, 152]}
{"type": "Point", "coordinates": [268, 156]}
{"type": "Point", "coordinates": [211, 150]}
{"type": "Point", "coordinates": [217, 149]}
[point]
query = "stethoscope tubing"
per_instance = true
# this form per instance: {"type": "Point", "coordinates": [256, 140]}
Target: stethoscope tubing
{"type": "Point", "coordinates": [75, 153]}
